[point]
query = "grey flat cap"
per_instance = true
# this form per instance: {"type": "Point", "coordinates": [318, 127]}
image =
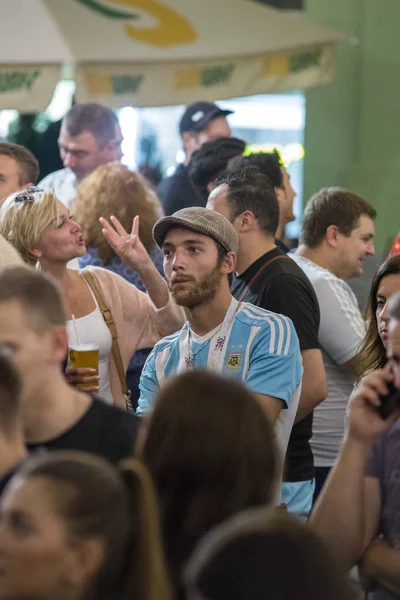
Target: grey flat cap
{"type": "Point", "coordinates": [202, 220]}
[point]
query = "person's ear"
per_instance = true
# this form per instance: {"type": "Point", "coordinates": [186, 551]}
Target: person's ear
{"type": "Point", "coordinates": [229, 263]}
{"type": "Point", "coordinates": [280, 194]}
{"type": "Point", "coordinates": [245, 221]}
{"type": "Point", "coordinates": [59, 344]}
{"type": "Point", "coordinates": [332, 234]}
{"type": "Point", "coordinates": [190, 142]}
{"type": "Point", "coordinates": [84, 561]}
{"type": "Point", "coordinates": [110, 147]}
{"type": "Point", "coordinates": [36, 252]}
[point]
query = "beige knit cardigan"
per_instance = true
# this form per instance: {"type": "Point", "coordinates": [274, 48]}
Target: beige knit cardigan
{"type": "Point", "coordinates": [9, 257]}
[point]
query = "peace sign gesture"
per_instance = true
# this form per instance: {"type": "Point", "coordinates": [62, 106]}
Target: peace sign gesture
{"type": "Point", "coordinates": [126, 245]}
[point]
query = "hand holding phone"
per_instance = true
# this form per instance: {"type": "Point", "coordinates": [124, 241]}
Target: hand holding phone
{"type": "Point", "coordinates": [389, 402]}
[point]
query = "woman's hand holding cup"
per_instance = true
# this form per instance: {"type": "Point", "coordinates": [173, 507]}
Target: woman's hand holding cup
{"type": "Point", "coordinates": [86, 379]}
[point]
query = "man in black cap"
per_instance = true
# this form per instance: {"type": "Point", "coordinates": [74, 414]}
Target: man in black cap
{"type": "Point", "coordinates": [201, 122]}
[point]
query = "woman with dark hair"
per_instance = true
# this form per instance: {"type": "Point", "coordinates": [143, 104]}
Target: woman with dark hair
{"type": "Point", "coordinates": [74, 528]}
{"type": "Point", "coordinates": [264, 555]}
{"type": "Point", "coordinates": [372, 353]}
{"type": "Point", "coordinates": [210, 449]}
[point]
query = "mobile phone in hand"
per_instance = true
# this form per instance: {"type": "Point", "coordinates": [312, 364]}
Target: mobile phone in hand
{"type": "Point", "coordinates": [390, 402]}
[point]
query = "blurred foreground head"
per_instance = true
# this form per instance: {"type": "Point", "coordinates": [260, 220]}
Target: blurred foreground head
{"type": "Point", "coordinates": [211, 452]}
{"type": "Point", "coordinates": [262, 555]}
{"type": "Point", "coordinates": [74, 527]}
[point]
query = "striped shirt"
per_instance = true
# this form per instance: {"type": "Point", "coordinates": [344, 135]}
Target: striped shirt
{"type": "Point", "coordinates": [262, 350]}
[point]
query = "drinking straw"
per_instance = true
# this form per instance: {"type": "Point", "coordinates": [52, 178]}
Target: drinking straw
{"type": "Point", "coordinates": [76, 330]}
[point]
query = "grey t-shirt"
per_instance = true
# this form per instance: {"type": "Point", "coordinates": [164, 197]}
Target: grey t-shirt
{"type": "Point", "coordinates": [384, 464]}
{"type": "Point", "coordinates": [340, 335]}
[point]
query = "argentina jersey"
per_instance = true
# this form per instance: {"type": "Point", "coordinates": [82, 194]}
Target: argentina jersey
{"type": "Point", "coordinates": [261, 349]}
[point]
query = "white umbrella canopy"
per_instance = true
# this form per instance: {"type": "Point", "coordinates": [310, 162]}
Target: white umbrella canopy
{"type": "Point", "coordinates": [157, 52]}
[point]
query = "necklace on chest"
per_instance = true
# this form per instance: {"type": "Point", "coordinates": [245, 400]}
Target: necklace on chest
{"type": "Point", "coordinates": [217, 341]}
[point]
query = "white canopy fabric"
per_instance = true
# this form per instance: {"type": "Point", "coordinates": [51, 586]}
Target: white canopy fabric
{"type": "Point", "coordinates": [157, 52]}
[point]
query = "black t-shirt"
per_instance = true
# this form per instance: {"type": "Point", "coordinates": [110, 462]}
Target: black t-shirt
{"type": "Point", "coordinates": [283, 287]}
{"type": "Point", "coordinates": [104, 430]}
{"type": "Point", "coordinates": [282, 246]}
{"type": "Point", "coordinates": [178, 191]}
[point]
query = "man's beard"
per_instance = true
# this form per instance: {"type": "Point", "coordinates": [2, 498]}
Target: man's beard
{"type": "Point", "coordinates": [198, 292]}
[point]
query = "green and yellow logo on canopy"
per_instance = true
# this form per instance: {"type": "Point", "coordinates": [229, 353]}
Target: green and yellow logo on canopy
{"type": "Point", "coordinates": [171, 29]}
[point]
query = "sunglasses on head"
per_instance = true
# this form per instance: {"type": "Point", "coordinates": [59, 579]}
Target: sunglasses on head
{"type": "Point", "coordinates": [28, 195]}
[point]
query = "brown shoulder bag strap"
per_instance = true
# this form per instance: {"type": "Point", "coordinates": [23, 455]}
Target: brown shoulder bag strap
{"type": "Point", "coordinates": [108, 318]}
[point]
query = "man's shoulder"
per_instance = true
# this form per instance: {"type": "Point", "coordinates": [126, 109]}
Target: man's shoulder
{"type": "Point", "coordinates": [56, 177]}
{"type": "Point", "coordinates": [168, 342]}
{"type": "Point", "coordinates": [285, 271]}
{"type": "Point", "coordinates": [336, 289]}
{"type": "Point", "coordinates": [175, 180]}
{"type": "Point", "coordinates": [250, 316]}
{"type": "Point", "coordinates": [64, 184]}
{"type": "Point", "coordinates": [100, 413]}
{"type": "Point", "coordinates": [103, 429]}
{"type": "Point", "coordinates": [178, 191]}
{"type": "Point", "coordinates": [253, 321]}
{"type": "Point", "coordinates": [313, 271]}
{"type": "Point", "coordinates": [320, 277]}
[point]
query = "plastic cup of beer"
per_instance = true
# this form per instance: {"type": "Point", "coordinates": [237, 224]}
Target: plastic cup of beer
{"type": "Point", "coordinates": [85, 356]}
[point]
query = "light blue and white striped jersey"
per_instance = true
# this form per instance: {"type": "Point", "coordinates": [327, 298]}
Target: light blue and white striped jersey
{"type": "Point", "coordinates": [262, 350]}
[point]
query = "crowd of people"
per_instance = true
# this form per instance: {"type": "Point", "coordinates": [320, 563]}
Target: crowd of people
{"type": "Point", "coordinates": [239, 436]}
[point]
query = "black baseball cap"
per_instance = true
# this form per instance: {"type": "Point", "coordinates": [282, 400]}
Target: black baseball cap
{"type": "Point", "coordinates": [198, 115]}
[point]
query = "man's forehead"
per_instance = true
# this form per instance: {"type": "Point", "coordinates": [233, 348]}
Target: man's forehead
{"type": "Point", "coordinates": [77, 142]}
{"type": "Point", "coordinates": [8, 163]}
{"type": "Point", "coordinates": [182, 235]}
{"type": "Point", "coordinates": [11, 316]}
{"type": "Point", "coordinates": [218, 123]}
{"type": "Point", "coordinates": [364, 225]}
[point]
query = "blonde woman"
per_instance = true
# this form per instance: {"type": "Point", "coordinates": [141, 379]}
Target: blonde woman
{"type": "Point", "coordinates": [41, 229]}
{"type": "Point", "coordinates": [112, 189]}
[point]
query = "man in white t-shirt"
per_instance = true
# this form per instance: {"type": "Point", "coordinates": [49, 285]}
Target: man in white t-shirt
{"type": "Point", "coordinates": [336, 238]}
{"type": "Point", "coordinates": [90, 136]}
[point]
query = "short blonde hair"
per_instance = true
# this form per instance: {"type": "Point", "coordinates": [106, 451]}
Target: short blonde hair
{"type": "Point", "coordinates": [112, 189]}
{"type": "Point", "coordinates": [22, 223]}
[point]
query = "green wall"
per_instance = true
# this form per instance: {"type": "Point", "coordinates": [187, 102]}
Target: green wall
{"type": "Point", "coordinates": [352, 135]}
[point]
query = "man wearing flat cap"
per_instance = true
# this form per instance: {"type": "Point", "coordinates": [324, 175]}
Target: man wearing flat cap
{"type": "Point", "coordinates": [201, 122]}
{"type": "Point", "coordinates": [233, 338]}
